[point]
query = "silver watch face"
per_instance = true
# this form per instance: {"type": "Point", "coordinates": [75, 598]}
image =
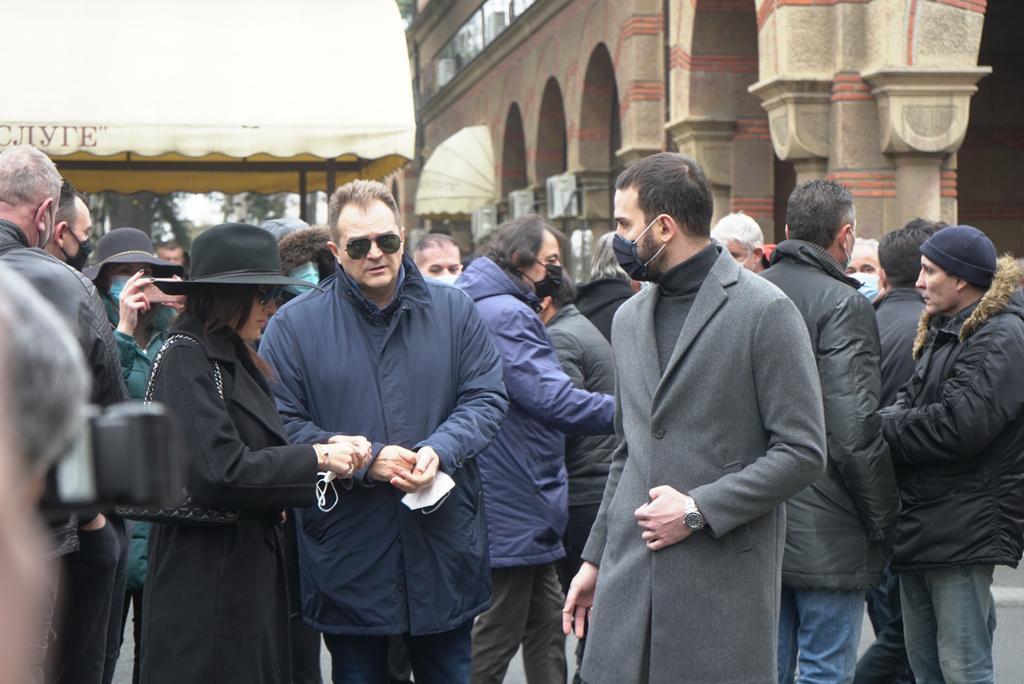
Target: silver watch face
{"type": "Point", "coordinates": [694, 520]}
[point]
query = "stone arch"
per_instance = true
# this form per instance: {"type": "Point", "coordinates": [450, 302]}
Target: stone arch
{"type": "Point", "coordinates": [513, 152]}
{"type": "Point", "coordinates": [599, 113]}
{"type": "Point", "coordinates": [992, 154]}
{"type": "Point", "coordinates": [713, 61]}
{"type": "Point", "coordinates": [551, 150]}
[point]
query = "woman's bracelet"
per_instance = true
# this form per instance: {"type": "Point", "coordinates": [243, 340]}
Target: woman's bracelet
{"type": "Point", "coordinates": [323, 457]}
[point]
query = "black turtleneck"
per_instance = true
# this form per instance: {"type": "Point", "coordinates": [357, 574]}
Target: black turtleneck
{"type": "Point", "coordinates": [678, 289]}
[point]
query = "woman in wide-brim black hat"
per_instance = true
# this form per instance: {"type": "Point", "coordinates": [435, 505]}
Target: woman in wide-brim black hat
{"type": "Point", "coordinates": [216, 606]}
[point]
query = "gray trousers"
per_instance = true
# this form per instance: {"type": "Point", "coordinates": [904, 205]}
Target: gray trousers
{"type": "Point", "coordinates": [527, 610]}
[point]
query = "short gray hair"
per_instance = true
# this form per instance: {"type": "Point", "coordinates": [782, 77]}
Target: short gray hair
{"type": "Point", "coordinates": [741, 228]}
{"type": "Point", "coordinates": [604, 264]}
{"type": "Point", "coordinates": [868, 243]}
{"type": "Point", "coordinates": [27, 177]}
{"type": "Point", "coordinates": [47, 385]}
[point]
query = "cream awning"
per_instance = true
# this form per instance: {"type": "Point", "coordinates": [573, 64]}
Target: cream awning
{"type": "Point", "coordinates": [201, 95]}
{"type": "Point", "coordinates": [458, 178]}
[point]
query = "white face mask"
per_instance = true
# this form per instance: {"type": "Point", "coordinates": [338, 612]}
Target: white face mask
{"type": "Point", "coordinates": [447, 278]}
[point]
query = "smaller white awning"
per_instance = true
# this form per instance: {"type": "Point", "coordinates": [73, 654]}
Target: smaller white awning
{"type": "Point", "coordinates": [458, 178]}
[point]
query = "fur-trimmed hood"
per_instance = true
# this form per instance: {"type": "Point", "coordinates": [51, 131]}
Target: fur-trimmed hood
{"type": "Point", "coordinates": [1004, 284]}
{"type": "Point", "coordinates": [301, 246]}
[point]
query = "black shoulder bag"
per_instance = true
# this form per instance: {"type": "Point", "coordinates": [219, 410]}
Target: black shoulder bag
{"type": "Point", "coordinates": [188, 512]}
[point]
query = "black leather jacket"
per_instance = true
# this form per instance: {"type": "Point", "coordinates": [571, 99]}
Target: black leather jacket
{"type": "Point", "coordinates": [956, 433]}
{"type": "Point", "coordinates": [75, 298]}
{"type": "Point", "coordinates": [838, 528]}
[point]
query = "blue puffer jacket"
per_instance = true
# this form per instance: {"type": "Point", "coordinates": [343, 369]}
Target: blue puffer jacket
{"type": "Point", "coordinates": [523, 469]}
{"type": "Point", "coordinates": [424, 373]}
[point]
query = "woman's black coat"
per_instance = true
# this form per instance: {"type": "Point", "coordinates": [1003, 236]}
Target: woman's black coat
{"type": "Point", "coordinates": [216, 605]}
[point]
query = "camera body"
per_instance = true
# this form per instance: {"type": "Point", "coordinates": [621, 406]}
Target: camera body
{"type": "Point", "coordinates": [127, 455]}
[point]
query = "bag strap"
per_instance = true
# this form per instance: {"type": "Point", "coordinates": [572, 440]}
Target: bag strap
{"type": "Point", "coordinates": [168, 343]}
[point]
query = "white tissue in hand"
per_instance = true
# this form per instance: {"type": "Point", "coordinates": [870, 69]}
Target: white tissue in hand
{"type": "Point", "coordinates": [429, 496]}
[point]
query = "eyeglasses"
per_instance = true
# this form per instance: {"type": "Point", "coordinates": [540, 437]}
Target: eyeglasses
{"type": "Point", "coordinates": [358, 248]}
{"type": "Point", "coordinates": [265, 295]}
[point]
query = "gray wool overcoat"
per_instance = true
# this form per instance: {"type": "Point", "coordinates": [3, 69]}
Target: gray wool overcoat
{"type": "Point", "coordinates": [736, 421]}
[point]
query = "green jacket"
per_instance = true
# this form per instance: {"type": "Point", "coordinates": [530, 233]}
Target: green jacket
{"type": "Point", "coordinates": [135, 361]}
{"type": "Point", "coordinates": [136, 364]}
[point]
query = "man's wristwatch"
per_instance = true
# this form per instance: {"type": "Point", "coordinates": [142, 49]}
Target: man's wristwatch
{"type": "Point", "coordinates": [693, 518]}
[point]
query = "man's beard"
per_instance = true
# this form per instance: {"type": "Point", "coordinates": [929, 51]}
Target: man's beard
{"type": "Point", "coordinates": [654, 270]}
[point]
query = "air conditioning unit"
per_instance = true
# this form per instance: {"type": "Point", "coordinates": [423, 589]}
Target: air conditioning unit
{"type": "Point", "coordinates": [520, 202]}
{"type": "Point", "coordinates": [485, 220]}
{"type": "Point", "coordinates": [563, 200]}
{"type": "Point", "coordinates": [445, 70]}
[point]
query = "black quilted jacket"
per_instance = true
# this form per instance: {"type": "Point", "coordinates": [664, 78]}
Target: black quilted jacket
{"type": "Point", "coordinates": [837, 529]}
{"type": "Point", "coordinates": [956, 433]}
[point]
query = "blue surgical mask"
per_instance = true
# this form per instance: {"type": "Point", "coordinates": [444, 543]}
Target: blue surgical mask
{"type": "Point", "coordinates": [117, 284]}
{"type": "Point", "coordinates": [869, 284]}
{"type": "Point", "coordinates": [629, 257]}
{"type": "Point", "coordinates": [308, 272]}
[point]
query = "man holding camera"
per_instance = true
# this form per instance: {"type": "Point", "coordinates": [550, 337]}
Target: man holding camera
{"type": "Point", "coordinates": [29, 199]}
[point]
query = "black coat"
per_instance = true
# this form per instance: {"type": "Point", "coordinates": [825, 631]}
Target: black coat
{"type": "Point", "coordinates": [956, 434]}
{"type": "Point", "coordinates": [599, 299]}
{"type": "Point", "coordinates": [216, 604]}
{"type": "Point", "coordinates": [897, 314]}
{"type": "Point", "coordinates": [586, 357]}
{"type": "Point", "coordinates": [837, 528]}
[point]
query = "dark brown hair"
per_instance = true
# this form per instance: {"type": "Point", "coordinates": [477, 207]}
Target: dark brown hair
{"type": "Point", "coordinates": [226, 307]}
{"type": "Point", "coordinates": [671, 183]}
{"type": "Point", "coordinates": [517, 242]}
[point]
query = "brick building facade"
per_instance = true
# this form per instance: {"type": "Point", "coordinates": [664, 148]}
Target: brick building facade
{"type": "Point", "coordinates": [916, 105]}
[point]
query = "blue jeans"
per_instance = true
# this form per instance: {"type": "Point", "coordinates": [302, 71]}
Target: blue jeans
{"type": "Point", "coordinates": [885, 662]}
{"type": "Point", "coordinates": [442, 658]}
{"type": "Point", "coordinates": [949, 618]}
{"type": "Point", "coordinates": [820, 628]}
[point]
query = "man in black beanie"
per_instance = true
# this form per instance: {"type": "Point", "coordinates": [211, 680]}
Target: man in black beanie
{"type": "Point", "coordinates": [957, 439]}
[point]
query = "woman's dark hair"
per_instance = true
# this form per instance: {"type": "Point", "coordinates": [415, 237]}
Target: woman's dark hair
{"type": "Point", "coordinates": [226, 307]}
{"type": "Point", "coordinates": [517, 242]}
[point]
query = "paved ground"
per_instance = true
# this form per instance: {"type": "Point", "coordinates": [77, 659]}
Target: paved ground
{"type": "Point", "coordinates": [1009, 658]}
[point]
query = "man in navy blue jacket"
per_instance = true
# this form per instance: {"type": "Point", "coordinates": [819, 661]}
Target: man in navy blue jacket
{"type": "Point", "coordinates": [523, 469]}
{"type": "Point", "coordinates": [408, 363]}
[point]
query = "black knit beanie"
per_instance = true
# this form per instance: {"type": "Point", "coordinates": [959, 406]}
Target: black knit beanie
{"type": "Point", "coordinates": [964, 252]}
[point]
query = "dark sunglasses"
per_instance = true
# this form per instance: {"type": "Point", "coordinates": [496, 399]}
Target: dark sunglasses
{"type": "Point", "coordinates": [265, 295]}
{"type": "Point", "coordinates": [358, 248]}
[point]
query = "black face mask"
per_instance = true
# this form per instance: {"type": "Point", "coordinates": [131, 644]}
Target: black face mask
{"type": "Point", "coordinates": [78, 261]}
{"type": "Point", "coordinates": [549, 284]}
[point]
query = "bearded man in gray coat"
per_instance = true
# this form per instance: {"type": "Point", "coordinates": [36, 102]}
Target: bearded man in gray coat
{"type": "Point", "coordinates": [719, 416]}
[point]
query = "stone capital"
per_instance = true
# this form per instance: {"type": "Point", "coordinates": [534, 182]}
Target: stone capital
{"type": "Point", "coordinates": [709, 141]}
{"type": "Point", "coordinates": [924, 110]}
{"type": "Point", "coordinates": [798, 115]}
{"type": "Point", "coordinates": [629, 154]}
